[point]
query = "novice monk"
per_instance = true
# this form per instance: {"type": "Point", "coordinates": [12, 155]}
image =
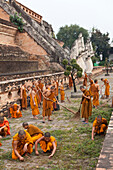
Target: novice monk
{"type": "Point", "coordinates": [47, 103]}
{"type": "Point", "coordinates": [15, 111]}
{"type": "Point", "coordinates": [34, 131]}
{"type": "Point", "coordinates": [40, 88]}
{"type": "Point", "coordinates": [23, 96]}
{"type": "Point", "coordinates": [4, 127]}
{"type": "Point", "coordinates": [62, 93]}
{"type": "Point", "coordinates": [86, 109]}
{"type": "Point", "coordinates": [99, 126]}
{"type": "Point", "coordinates": [107, 86]}
{"type": "Point", "coordinates": [47, 143]}
{"type": "Point", "coordinates": [96, 94]}
{"type": "Point", "coordinates": [22, 143]}
{"type": "Point", "coordinates": [70, 82]}
{"type": "Point", "coordinates": [33, 102]}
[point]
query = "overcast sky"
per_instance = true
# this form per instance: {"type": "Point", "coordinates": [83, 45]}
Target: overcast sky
{"type": "Point", "coordinates": [85, 13]}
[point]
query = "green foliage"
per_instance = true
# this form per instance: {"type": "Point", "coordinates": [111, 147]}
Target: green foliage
{"type": "Point", "coordinates": [102, 63]}
{"type": "Point", "coordinates": [68, 68]}
{"type": "Point", "coordinates": [100, 43]}
{"type": "Point", "coordinates": [94, 59]}
{"type": "Point", "coordinates": [79, 74]}
{"type": "Point", "coordinates": [17, 21]}
{"type": "Point", "coordinates": [64, 62]}
{"type": "Point", "coordinates": [68, 34]}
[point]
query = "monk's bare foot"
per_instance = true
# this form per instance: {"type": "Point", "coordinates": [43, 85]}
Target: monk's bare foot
{"type": "Point", "coordinates": [0, 137]}
{"type": "Point", "coordinates": [35, 117]}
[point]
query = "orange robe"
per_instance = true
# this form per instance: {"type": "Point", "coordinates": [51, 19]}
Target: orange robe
{"type": "Point", "coordinates": [95, 93]}
{"type": "Point", "coordinates": [41, 88]}
{"type": "Point", "coordinates": [85, 80]}
{"type": "Point", "coordinates": [62, 93]}
{"type": "Point", "coordinates": [70, 82]}
{"type": "Point", "coordinates": [14, 111]}
{"type": "Point", "coordinates": [100, 128]}
{"type": "Point", "coordinates": [107, 86]}
{"type": "Point", "coordinates": [21, 143]}
{"type": "Point", "coordinates": [35, 110]}
{"type": "Point", "coordinates": [7, 128]}
{"type": "Point", "coordinates": [86, 109]}
{"type": "Point", "coordinates": [24, 98]}
{"type": "Point", "coordinates": [47, 146]}
{"type": "Point", "coordinates": [34, 132]}
{"type": "Point", "coordinates": [0, 144]}
{"type": "Point", "coordinates": [48, 105]}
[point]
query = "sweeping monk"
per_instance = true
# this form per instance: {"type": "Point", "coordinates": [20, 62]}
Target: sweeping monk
{"type": "Point", "coordinates": [23, 96]}
{"type": "Point", "coordinates": [4, 127]}
{"type": "Point", "coordinates": [86, 109]}
{"type": "Point", "coordinates": [107, 86]}
{"type": "Point", "coordinates": [22, 144]}
{"type": "Point", "coordinates": [40, 87]}
{"type": "Point", "coordinates": [99, 126]}
{"type": "Point", "coordinates": [15, 111]}
{"type": "Point", "coordinates": [48, 144]}
{"type": "Point", "coordinates": [70, 82]}
{"type": "Point", "coordinates": [34, 131]}
{"type": "Point", "coordinates": [33, 103]}
{"type": "Point", "coordinates": [47, 103]}
{"type": "Point", "coordinates": [85, 79]}
{"type": "Point", "coordinates": [62, 93]}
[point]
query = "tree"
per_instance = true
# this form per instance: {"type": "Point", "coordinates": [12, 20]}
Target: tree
{"type": "Point", "coordinates": [100, 43]}
{"type": "Point", "coordinates": [72, 68]}
{"type": "Point", "coordinates": [68, 34]}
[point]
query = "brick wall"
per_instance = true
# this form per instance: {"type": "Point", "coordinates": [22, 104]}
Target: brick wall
{"type": "Point", "coordinates": [4, 15]}
{"type": "Point", "coordinates": [26, 43]}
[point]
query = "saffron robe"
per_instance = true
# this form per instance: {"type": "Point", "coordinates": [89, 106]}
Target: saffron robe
{"type": "Point", "coordinates": [24, 98]}
{"type": "Point", "coordinates": [100, 127]}
{"type": "Point", "coordinates": [7, 128]}
{"type": "Point", "coordinates": [62, 93]}
{"type": "Point", "coordinates": [15, 113]}
{"type": "Point", "coordinates": [35, 110]}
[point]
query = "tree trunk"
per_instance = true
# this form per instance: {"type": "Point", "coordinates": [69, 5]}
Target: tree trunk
{"type": "Point", "coordinates": [75, 89]}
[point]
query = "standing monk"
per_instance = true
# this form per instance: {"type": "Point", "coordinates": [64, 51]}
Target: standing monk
{"type": "Point", "coordinates": [34, 131]}
{"type": "Point", "coordinates": [33, 102]}
{"type": "Point", "coordinates": [86, 109]}
{"type": "Point", "coordinates": [62, 93]}
{"type": "Point", "coordinates": [70, 82]}
{"type": "Point", "coordinates": [96, 94]}
{"type": "Point", "coordinates": [107, 86]}
{"type": "Point", "coordinates": [4, 127]}
{"type": "Point", "coordinates": [47, 143]}
{"type": "Point", "coordinates": [40, 88]}
{"type": "Point", "coordinates": [85, 79]}
{"type": "Point", "coordinates": [22, 143]}
{"type": "Point", "coordinates": [99, 126]}
{"type": "Point", "coordinates": [24, 96]}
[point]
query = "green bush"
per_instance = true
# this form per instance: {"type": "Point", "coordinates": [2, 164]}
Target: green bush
{"type": "Point", "coordinates": [16, 20]}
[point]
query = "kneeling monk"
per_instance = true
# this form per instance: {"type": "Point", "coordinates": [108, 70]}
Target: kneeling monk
{"type": "Point", "coordinates": [22, 143]}
{"type": "Point", "coordinates": [15, 111]}
{"type": "Point", "coordinates": [34, 131]}
{"type": "Point", "coordinates": [4, 127]}
{"type": "Point", "coordinates": [47, 143]}
{"type": "Point", "coordinates": [99, 126]}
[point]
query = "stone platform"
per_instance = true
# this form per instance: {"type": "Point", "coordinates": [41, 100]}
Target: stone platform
{"type": "Point", "coordinates": [105, 161]}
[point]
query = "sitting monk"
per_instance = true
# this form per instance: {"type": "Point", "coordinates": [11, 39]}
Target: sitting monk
{"type": "Point", "coordinates": [15, 111]}
{"type": "Point", "coordinates": [4, 127]}
{"type": "Point", "coordinates": [22, 144]}
{"type": "Point", "coordinates": [99, 126]}
{"type": "Point", "coordinates": [48, 144]}
{"type": "Point", "coordinates": [34, 131]}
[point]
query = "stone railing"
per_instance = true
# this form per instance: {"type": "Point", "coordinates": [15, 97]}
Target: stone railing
{"type": "Point", "coordinates": [14, 85]}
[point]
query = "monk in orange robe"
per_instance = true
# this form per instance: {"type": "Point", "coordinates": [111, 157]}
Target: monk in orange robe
{"type": "Point", "coordinates": [70, 82]}
{"type": "Point", "coordinates": [22, 143]}
{"type": "Point", "coordinates": [34, 131]}
{"type": "Point", "coordinates": [85, 79]}
{"type": "Point", "coordinates": [107, 87]}
{"type": "Point", "coordinates": [40, 87]}
{"type": "Point", "coordinates": [0, 144]}
{"type": "Point", "coordinates": [86, 109]}
{"type": "Point", "coordinates": [33, 103]}
{"type": "Point", "coordinates": [99, 126]}
{"type": "Point", "coordinates": [15, 111]}
{"type": "Point", "coordinates": [62, 93]}
{"type": "Point", "coordinates": [4, 127]}
{"type": "Point", "coordinates": [47, 103]}
{"type": "Point", "coordinates": [47, 143]}
{"type": "Point", "coordinates": [24, 96]}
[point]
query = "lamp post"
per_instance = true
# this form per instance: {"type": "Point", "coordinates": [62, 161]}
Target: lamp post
{"type": "Point", "coordinates": [107, 66]}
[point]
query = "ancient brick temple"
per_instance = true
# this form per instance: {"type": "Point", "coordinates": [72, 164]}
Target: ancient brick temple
{"type": "Point", "coordinates": [34, 49]}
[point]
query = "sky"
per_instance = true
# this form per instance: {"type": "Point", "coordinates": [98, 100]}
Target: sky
{"type": "Point", "coordinates": [85, 13]}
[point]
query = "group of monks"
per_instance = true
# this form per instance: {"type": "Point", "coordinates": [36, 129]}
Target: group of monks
{"type": "Point", "coordinates": [24, 140]}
